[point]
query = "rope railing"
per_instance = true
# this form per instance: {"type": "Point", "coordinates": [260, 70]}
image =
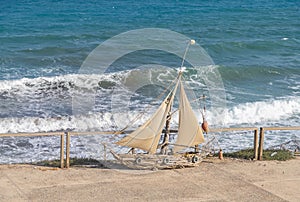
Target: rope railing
{"type": "Point", "coordinates": [262, 136]}
{"type": "Point", "coordinates": [61, 134]}
{"type": "Point", "coordinates": [65, 145]}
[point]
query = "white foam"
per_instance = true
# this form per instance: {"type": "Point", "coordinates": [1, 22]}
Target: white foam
{"type": "Point", "coordinates": [91, 122]}
{"type": "Point", "coordinates": [260, 113]}
{"type": "Point", "coordinates": [256, 113]}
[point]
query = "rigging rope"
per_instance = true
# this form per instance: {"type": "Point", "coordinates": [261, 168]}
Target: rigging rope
{"type": "Point", "coordinates": [191, 42]}
{"type": "Point", "coordinates": [146, 109]}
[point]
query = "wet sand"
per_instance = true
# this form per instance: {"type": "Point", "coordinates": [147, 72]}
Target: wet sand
{"type": "Point", "coordinates": [213, 180]}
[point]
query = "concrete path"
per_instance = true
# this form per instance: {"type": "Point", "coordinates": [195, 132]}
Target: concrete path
{"type": "Point", "coordinates": [214, 180]}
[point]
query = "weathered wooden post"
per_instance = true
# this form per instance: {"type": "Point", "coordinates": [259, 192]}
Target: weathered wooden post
{"type": "Point", "coordinates": [261, 143]}
{"type": "Point", "coordinates": [62, 149]}
{"type": "Point", "coordinates": [105, 154]}
{"type": "Point", "coordinates": [68, 150]}
{"type": "Point", "coordinates": [255, 144]}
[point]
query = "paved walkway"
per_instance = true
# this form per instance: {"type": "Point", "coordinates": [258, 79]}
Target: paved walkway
{"type": "Point", "coordinates": [229, 180]}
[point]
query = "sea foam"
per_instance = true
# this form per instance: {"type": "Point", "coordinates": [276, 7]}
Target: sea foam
{"type": "Point", "coordinates": [264, 112]}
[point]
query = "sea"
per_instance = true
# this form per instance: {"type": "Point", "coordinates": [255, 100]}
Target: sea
{"type": "Point", "coordinates": [249, 69]}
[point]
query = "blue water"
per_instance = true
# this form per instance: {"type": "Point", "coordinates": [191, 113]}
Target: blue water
{"type": "Point", "coordinates": [255, 46]}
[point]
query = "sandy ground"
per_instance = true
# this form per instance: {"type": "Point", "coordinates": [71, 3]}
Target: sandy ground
{"type": "Point", "coordinates": [213, 180]}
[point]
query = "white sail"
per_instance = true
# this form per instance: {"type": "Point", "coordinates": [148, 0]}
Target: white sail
{"type": "Point", "coordinates": [147, 136]}
{"type": "Point", "coordinates": [189, 131]}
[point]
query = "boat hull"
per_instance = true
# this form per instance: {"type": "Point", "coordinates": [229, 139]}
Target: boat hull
{"type": "Point", "coordinates": [158, 161]}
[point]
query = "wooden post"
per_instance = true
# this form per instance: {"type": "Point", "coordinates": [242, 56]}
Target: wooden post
{"type": "Point", "coordinates": [104, 147]}
{"type": "Point", "coordinates": [255, 144]}
{"type": "Point", "coordinates": [261, 143]}
{"type": "Point", "coordinates": [68, 150]}
{"type": "Point", "coordinates": [165, 144]}
{"type": "Point", "coordinates": [62, 149]}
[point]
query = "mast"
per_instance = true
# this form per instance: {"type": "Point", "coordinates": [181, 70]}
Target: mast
{"type": "Point", "coordinates": [164, 147]}
{"type": "Point", "coordinates": [147, 136]}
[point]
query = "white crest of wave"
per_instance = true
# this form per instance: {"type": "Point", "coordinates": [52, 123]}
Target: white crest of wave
{"type": "Point", "coordinates": [284, 111]}
{"type": "Point", "coordinates": [91, 122]}
{"type": "Point", "coordinates": [264, 112]}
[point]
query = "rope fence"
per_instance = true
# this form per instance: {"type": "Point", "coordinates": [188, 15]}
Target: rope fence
{"type": "Point", "coordinates": [61, 134]}
{"type": "Point", "coordinates": [65, 138]}
{"type": "Point", "coordinates": [262, 136]}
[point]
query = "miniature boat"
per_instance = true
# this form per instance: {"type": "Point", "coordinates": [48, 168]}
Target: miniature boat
{"type": "Point", "coordinates": [147, 137]}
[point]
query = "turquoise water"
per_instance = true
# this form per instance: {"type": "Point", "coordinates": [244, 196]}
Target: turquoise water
{"type": "Point", "coordinates": [38, 37]}
{"type": "Point", "coordinates": [255, 46]}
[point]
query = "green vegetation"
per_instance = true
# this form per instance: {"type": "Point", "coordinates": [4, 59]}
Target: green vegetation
{"type": "Point", "coordinates": [279, 155]}
{"type": "Point", "coordinates": [73, 162]}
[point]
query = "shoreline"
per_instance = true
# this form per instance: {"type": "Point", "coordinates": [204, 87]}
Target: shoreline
{"type": "Point", "coordinates": [213, 180]}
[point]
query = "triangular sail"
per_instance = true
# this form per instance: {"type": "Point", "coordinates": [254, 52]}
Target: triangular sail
{"type": "Point", "coordinates": [147, 136]}
{"type": "Point", "coordinates": [189, 131]}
